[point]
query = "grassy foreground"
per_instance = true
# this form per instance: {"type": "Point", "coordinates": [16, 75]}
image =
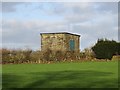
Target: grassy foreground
{"type": "Point", "coordinates": [62, 75]}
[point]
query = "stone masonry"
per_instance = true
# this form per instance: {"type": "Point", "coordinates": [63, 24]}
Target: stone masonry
{"type": "Point", "coordinates": [62, 41]}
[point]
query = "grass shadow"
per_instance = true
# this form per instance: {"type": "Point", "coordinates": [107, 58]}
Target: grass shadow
{"type": "Point", "coordinates": [61, 79]}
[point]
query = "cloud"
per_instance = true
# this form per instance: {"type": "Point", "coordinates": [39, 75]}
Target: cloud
{"type": "Point", "coordinates": [74, 12]}
{"type": "Point", "coordinates": [8, 7]}
{"type": "Point", "coordinates": [19, 34]}
{"type": "Point", "coordinates": [90, 20]}
{"type": "Point", "coordinates": [88, 11]}
{"type": "Point", "coordinates": [107, 6]}
{"type": "Point", "coordinates": [104, 27]}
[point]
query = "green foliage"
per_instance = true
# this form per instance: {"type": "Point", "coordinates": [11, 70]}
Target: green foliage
{"type": "Point", "coordinates": [105, 49]}
{"type": "Point", "coordinates": [118, 48]}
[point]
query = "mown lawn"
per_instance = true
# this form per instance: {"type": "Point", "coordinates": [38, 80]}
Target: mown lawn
{"type": "Point", "coordinates": [61, 75]}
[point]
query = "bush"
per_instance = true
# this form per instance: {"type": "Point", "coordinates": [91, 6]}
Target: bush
{"type": "Point", "coordinates": [35, 57]}
{"type": "Point", "coordinates": [27, 54]}
{"type": "Point", "coordinates": [105, 49]}
{"type": "Point", "coordinates": [59, 56]}
{"type": "Point", "coordinates": [47, 55]}
{"type": "Point", "coordinates": [5, 56]}
{"type": "Point", "coordinates": [88, 53]}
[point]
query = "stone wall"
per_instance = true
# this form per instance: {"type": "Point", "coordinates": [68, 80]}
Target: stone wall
{"type": "Point", "coordinates": [58, 41]}
{"type": "Point", "coordinates": [72, 37]}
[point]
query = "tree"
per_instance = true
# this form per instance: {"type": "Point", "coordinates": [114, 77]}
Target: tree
{"type": "Point", "coordinates": [105, 49]}
{"type": "Point", "coordinates": [118, 48]}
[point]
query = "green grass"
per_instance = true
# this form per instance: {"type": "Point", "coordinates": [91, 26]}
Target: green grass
{"type": "Point", "coordinates": [62, 75]}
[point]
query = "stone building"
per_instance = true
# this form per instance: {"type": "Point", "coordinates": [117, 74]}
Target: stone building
{"type": "Point", "coordinates": [60, 41]}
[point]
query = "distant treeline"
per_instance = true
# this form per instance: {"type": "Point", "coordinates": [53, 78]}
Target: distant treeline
{"type": "Point", "coordinates": [103, 49]}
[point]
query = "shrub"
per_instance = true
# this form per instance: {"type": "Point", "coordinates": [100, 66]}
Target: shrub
{"type": "Point", "coordinates": [5, 55]}
{"type": "Point", "coordinates": [59, 56]}
{"type": "Point", "coordinates": [105, 49]}
{"type": "Point", "coordinates": [27, 54]}
{"type": "Point", "coordinates": [36, 57]}
{"type": "Point", "coordinates": [47, 55]}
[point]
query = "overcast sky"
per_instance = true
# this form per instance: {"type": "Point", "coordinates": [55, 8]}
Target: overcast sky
{"type": "Point", "coordinates": [22, 23]}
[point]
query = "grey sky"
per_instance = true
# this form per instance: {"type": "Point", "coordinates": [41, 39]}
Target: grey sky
{"type": "Point", "coordinates": [23, 22]}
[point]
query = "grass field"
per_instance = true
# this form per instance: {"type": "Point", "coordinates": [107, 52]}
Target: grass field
{"type": "Point", "coordinates": [62, 75]}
